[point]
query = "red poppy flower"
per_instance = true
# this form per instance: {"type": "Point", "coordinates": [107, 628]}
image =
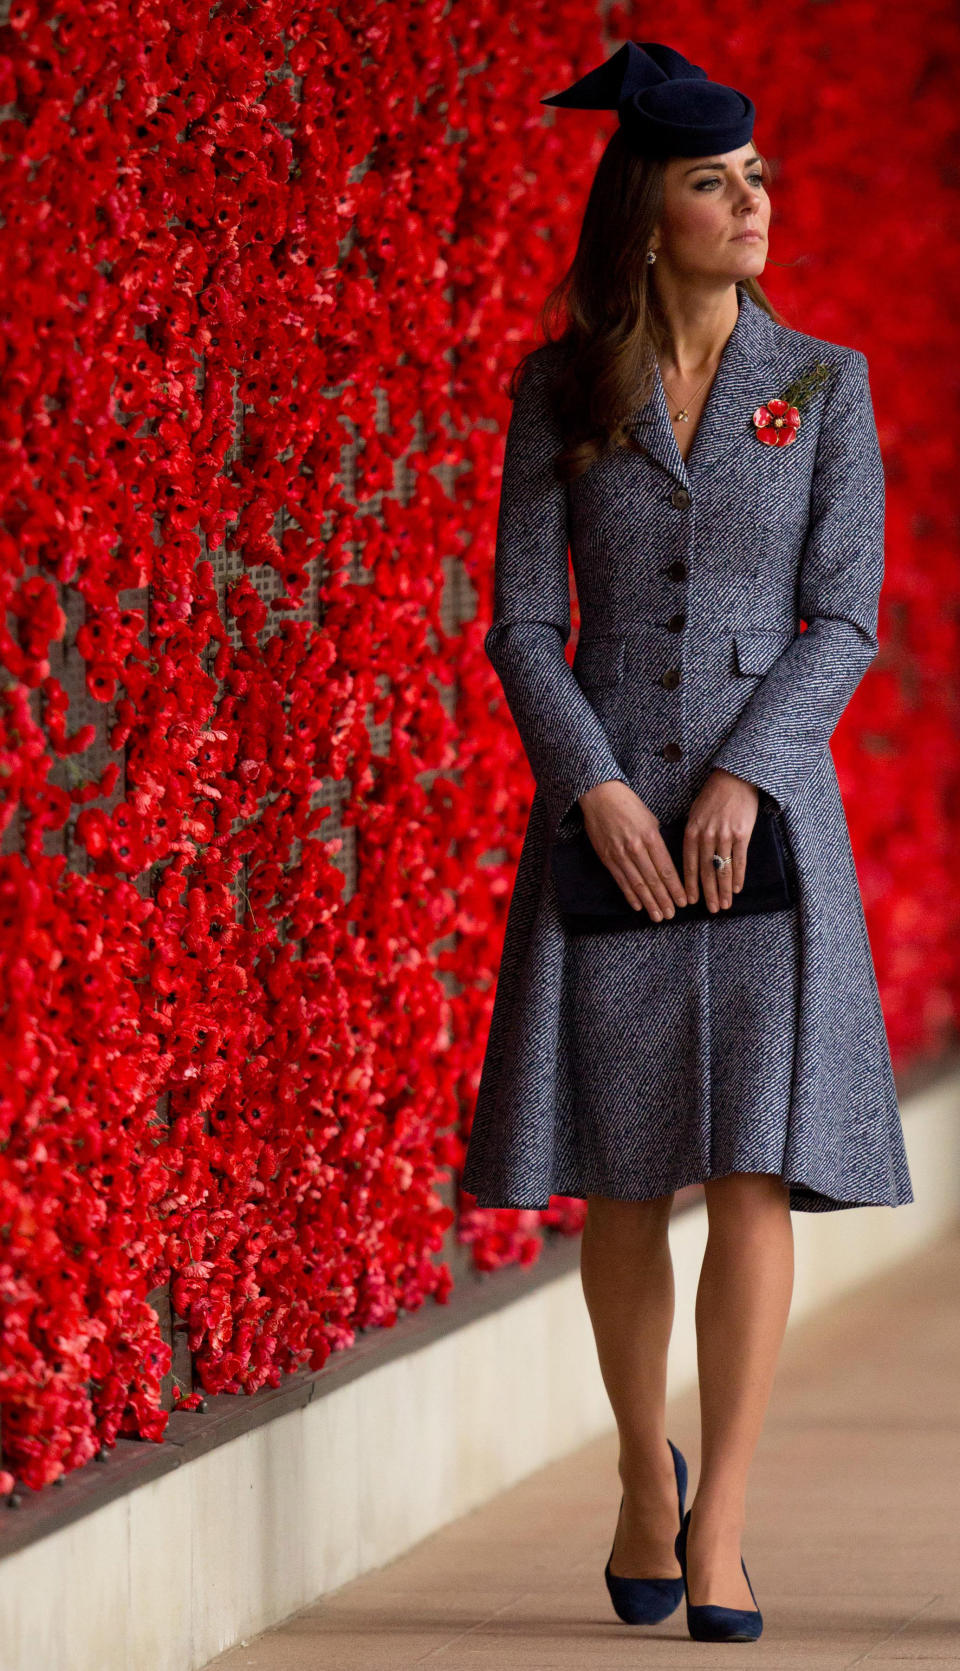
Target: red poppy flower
{"type": "Point", "coordinates": [776, 423]}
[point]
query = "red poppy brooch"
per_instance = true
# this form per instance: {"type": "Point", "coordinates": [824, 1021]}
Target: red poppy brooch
{"type": "Point", "coordinates": [776, 421]}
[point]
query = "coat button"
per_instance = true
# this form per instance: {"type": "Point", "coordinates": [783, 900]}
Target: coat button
{"type": "Point", "coordinates": [671, 751]}
{"type": "Point", "coordinates": [675, 623]}
{"type": "Point", "coordinates": [671, 678]}
{"type": "Point", "coordinates": [678, 570]}
{"type": "Point", "coordinates": [680, 497]}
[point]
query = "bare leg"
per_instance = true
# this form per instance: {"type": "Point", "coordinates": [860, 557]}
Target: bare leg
{"type": "Point", "coordinates": [627, 1277]}
{"type": "Point", "coordinates": [743, 1300]}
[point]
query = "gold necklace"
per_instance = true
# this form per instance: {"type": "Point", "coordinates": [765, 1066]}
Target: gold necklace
{"type": "Point", "coordinates": [683, 416]}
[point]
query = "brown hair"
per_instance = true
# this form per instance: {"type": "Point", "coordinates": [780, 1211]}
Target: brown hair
{"type": "Point", "coordinates": [605, 313]}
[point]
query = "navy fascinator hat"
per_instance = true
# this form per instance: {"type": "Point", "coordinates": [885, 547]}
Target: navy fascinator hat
{"type": "Point", "coordinates": [667, 107]}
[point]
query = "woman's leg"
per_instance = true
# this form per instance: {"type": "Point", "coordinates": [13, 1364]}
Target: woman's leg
{"type": "Point", "coordinates": [743, 1299]}
{"type": "Point", "coordinates": [627, 1277]}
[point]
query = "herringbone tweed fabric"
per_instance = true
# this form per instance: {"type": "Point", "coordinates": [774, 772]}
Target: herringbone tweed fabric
{"type": "Point", "coordinates": [629, 1065]}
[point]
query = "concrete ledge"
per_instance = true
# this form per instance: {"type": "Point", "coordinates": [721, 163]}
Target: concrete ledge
{"type": "Point", "coordinates": [223, 1536]}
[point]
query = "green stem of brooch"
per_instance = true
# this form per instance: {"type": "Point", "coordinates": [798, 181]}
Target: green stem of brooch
{"type": "Point", "coordinates": [804, 387]}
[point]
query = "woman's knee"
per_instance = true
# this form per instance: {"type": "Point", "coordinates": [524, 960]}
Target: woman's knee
{"type": "Point", "coordinates": [629, 1220]}
{"type": "Point", "coordinates": [739, 1194]}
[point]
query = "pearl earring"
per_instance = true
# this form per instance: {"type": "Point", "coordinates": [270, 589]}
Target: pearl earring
{"type": "Point", "coordinates": [651, 255]}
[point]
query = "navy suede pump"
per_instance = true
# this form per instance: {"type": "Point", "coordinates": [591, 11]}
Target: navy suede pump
{"type": "Point", "coordinates": [645, 1601]}
{"type": "Point", "coordinates": [708, 1622]}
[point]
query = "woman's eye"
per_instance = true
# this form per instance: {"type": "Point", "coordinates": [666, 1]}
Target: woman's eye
{"type": "Point", "coordinates": [712, 180]}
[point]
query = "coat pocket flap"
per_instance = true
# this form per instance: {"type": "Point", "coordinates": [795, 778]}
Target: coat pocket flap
{"type": "Point", "coordinates": [757, 648]}
{"type": "Point", "coordinates": [599, 661]}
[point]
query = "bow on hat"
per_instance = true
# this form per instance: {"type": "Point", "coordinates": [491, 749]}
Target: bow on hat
{"type": "Point", "coordinates": [667, 107]}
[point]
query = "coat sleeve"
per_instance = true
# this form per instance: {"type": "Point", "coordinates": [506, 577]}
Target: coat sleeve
{"type": "Point", "coordinates": [786, 725]}
{"type": "Point", "coordinates": [563, 739]}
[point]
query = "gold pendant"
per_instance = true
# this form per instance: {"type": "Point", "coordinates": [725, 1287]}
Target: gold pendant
{"type": "Point", "coordinates": [682, 416]}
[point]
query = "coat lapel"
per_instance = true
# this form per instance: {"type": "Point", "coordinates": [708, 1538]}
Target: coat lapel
{"type": "Point", "coordinates": [742, 380]}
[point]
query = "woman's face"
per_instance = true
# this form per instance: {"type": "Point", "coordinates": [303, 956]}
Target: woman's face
{"type": "Point", "coordinates": [708, 204]}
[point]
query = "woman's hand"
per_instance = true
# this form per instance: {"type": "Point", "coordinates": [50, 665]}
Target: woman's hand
{"type": "Point", "coordinates": [720, 820]}
{"type": "Point", "coordinates": [626, 835]}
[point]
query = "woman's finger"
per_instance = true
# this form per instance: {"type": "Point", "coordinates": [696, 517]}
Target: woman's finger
{"type": "Point", "coordinates": [637, 891]}
{"type": "Point", "coordinates": [708, 872]}
{"type": "Point", "coordinates": [667, 869]}
{"type": "Point", "coordinates": [719, 883]}
{"type": "Point", "coordinates": [650, 860]}
{"type": "Point", "coordinates": [739, 871]}
{"type": "Point", "coordinates": [691, 863]}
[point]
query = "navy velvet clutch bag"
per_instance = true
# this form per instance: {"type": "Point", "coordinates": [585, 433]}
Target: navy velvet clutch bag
{"type": "Point", "coordinates": [591, 901]}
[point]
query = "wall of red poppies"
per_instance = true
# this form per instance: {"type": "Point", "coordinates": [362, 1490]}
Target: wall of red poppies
{"type": "Point", "coordinates": [265, 269]}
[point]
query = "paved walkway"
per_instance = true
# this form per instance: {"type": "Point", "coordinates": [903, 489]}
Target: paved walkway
{"type": "Point", "coordinates": [852, 1539]}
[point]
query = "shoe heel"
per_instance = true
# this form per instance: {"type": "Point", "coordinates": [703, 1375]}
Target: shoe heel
{"type": "Point", "coordinates": [707, 1622]}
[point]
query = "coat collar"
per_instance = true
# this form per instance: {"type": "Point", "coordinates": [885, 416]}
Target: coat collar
{"type": "Point", "coordinates": [741, 382]}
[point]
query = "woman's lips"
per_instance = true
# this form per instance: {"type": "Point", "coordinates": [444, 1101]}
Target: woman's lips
{"type": "Point", "coordinates": [741, 237]}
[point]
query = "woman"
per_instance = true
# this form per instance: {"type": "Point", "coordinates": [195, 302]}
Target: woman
{"type": "Point", "coordinates": [746, 1052]}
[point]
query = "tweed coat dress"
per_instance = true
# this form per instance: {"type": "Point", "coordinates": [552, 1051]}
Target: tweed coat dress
{"type": "Point", "coordinates": [632, 1064]}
